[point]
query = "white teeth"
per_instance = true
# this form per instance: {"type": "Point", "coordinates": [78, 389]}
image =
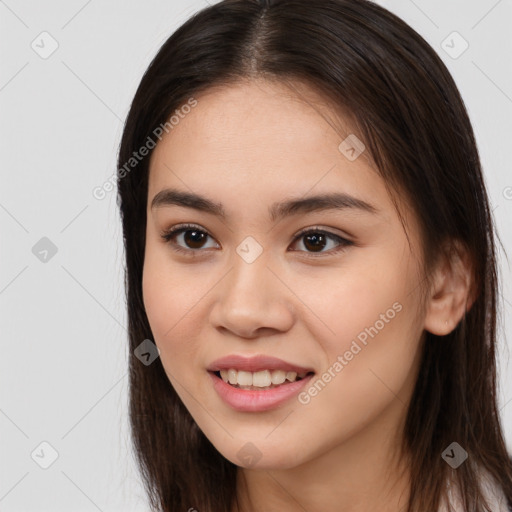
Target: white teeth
{"type": "Point", "coordinates": [291, 376]}
{"type": "Point", "coordinates": [245, 378]}
{"type": "Point", "coordinates": [232, 376]}
{"type": "Point", "coordinates": [261, 379]}
{"type": "Point", "coordinates": [278, 376]}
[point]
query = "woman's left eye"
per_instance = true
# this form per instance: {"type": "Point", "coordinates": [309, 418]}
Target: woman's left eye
{"type": "Point", "coordinates": [315, 240]}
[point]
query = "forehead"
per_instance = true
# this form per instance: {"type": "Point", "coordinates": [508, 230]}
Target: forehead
{"type": "Point", "coordinates": [260, 112]}
{"type": "Point", "coordinates": [268, 133]}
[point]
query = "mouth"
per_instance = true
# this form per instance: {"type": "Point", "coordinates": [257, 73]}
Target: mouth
{"type": "Point", "coordinates": [257, 383]}
{"type": "Point", "coordinates": [261, 380]}
{"type": "Point", "coordinates": [260, 391]}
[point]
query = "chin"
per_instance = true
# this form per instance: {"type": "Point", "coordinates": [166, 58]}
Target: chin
{"type": "Point", "coordinates": [259, 455]}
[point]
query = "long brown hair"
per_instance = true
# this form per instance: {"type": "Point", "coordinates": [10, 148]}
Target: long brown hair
{"type": "Point", "coordinates": [416, 129]}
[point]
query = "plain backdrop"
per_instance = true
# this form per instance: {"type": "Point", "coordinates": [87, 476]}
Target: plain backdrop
{"type": "Point", "coordinates": [69, 70]}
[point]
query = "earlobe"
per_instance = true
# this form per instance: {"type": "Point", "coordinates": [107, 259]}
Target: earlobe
{"type": "Point", "coordinates": [451, 295]}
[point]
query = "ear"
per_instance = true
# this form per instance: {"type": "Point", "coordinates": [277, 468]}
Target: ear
{"type": "Point", "coordinates": [452, 292]}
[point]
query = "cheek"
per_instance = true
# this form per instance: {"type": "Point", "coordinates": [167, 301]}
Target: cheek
{"type": "Point", "coordinates": [372, 338]}
{"type": "Point", "coordinates": [365, 293]}
{"type": "Point", "coordinates": [361, 382]}
{"type": "Point", "coordinates": [172, 303]}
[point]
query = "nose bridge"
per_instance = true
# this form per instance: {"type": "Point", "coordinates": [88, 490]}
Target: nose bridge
{"type": "Point", "coordinates": [248, 284]}
{"type": "Point", "coordinates": [250, 297]}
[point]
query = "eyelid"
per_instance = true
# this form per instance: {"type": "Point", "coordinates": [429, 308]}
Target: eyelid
{"type": "Point", "coordinates": [167, 234]}
{"type": "Point", "coordinates": [181, 226]}
{"type": "Point", "coordinates": [326, 230]}
{"type": "Point", "coordinates": [343, 240]}
{"type": "Point", "coordinates": [171, 231]}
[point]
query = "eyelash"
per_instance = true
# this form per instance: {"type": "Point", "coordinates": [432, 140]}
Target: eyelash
{"type": "Point", "coordinates": [176, 230]}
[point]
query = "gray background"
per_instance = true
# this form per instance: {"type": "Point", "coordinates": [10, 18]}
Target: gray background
{"type": "Point", "coordinates": [63, 376]}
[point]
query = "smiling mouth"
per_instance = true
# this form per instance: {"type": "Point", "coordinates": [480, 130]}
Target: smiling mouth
{"type": "Point", "coordinates": [289, 378]}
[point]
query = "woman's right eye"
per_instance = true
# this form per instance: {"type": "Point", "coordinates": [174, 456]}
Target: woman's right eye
{"type": "Point", "coordinates": [192, 236]}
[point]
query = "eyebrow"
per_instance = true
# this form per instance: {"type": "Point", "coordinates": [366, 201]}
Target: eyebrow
{"type": "Point", "coordinates": [277, 211]}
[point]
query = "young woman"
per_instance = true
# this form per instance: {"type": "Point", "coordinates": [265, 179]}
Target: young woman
{"type": "Point", "coordinates": [309, 244]}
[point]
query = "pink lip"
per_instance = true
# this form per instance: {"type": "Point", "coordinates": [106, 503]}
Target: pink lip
{"type": "Point", "coordinates": [255, 364]}
{"type": "Point", "coordinates": [246, 400]}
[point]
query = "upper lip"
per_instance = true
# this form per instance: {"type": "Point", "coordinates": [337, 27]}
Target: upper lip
{"type": "Point", "coordinates": [255, 364]}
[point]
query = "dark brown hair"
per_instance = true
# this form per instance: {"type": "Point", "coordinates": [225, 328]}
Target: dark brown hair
{"type": "Point", "coordinates": [415, 126]}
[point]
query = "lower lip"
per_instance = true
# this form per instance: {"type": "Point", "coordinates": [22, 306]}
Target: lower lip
{"type": "Point", "coordinates": [248, 400]}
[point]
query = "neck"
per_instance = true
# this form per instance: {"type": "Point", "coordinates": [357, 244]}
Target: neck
{"type": "Point", "coordinates": [365, 473]}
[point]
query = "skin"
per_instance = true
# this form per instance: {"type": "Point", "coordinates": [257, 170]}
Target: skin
{"type": "Point", "coordinates": [246, 146]}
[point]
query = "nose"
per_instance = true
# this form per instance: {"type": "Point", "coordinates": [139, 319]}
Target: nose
{"type": "Point", "coordinates": [251, 301]}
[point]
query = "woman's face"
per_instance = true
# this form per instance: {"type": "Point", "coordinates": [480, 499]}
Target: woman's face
{"type": "Point", "coordinates": [341, 301]}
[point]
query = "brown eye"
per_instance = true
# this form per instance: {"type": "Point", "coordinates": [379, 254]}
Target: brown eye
{"type": "Point", "coordinates": [186, 238]}
{"type": "Point", "coordinates": [316, 240]}
{"type": "Point", "coordinates": [194, 239]}
{"type": "Point", "coordinates": [191, 240]}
